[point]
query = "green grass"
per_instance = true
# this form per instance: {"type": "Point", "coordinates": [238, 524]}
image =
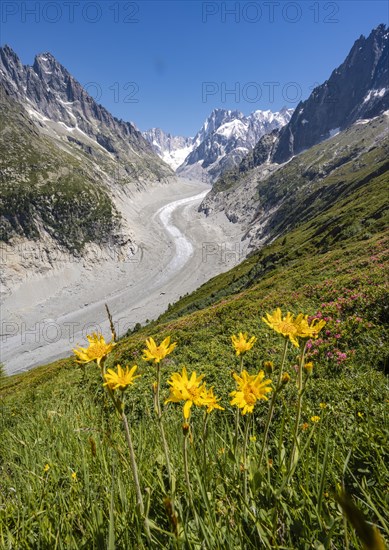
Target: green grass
{"type": "Point", "coordinates": [58, 416]}
{"type": "Point", "coordinates": [65, 472]}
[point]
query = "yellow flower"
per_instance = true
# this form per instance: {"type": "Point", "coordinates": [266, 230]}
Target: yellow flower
{"type": "Point", "coordinates": [211, 401]}
{"type": "Point", "coordinates": [46, 468]}
{"type": "Point", "coordinates": [253, 438]}
{"type": "Point", "coordinates": [283, 325]}
{"type": "Point", "coordinates": [157, 353]}
{"type": "Point", "coordinates": [98, 349]}
{"type": "Point", "coordinates": [74, 476]}
{"type": "Point", "coordinates": [250, 390]}
{"type": "Point", "coordinates": [241, 343]}
{"type": "Point", "coordinates": [323, 405]}
{"type": "Point", "coordinates": [360, 414]}
{"type": "Point", "coordinates": [306, 330]}
{"type": "Point", "coordinates": [121, 379]}
{"type": "Point", "coordinates": [315, 419]}
{"type": "Point", "coordinates": [305, 426]}
{"type": "Point", "coordinates": [191, 390]}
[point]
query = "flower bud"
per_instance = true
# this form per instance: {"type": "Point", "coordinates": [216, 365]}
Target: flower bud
{"type": "Point", "coordinates": [308, 368]}
{"type": "Point", "coordinates": [285, 378]}
{"type": "Point", "coordinates": [185, 428]}
{"type": "Point", "coordinates": [268, 366]}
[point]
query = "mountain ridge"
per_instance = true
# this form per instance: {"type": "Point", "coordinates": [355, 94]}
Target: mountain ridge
{"type": "Point", "coordinates": [53, 96]}
{"type": "Point", "coordinates": [357, 89]}
{"type": "Point", "coordinates": [240, 191]}
{"type": "Point", "coordinates": [68, 170]}
{"type": "Point", "coordinates": [224, 139]}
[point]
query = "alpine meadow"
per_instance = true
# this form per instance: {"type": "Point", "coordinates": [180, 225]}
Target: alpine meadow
{"type": "Point", "coordinates": [194, 328]}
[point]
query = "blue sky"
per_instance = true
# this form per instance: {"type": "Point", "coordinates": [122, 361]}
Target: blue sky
{"type": "Point", "coordinates": [168, 64]}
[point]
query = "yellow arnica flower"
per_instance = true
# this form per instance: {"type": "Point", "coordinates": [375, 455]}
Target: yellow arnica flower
{"type": "Point", "coordinates": [121, 379]}
{"type": "Point", "coordinates": [242, 343]}
{"type": "Point", "coordinates": [191, 390]}
{"type": "Point", "coordinates": [98, 349]}
{"type": "Point", "coordinates": [211, 401]}
{"type": "Point", "coordinates": [283, 325]}
{"type": "Point", "coordinates": [306, 330]}
{"type": "Point", "coordinates": [157, 353]}
{"type": "Point", "coordinates": [315, 419]}
{"type": "Point", "coordinates": [251, 388]}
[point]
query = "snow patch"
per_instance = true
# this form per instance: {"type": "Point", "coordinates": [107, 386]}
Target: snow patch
{"type": "Point", "coordinates": [175, 158]}
{"type": "Point", "coordinates": [234, 128]}
{"type": "Point", "coordinates": [37, 115]}
{"type": "Point", "coordinates": [374, 93]}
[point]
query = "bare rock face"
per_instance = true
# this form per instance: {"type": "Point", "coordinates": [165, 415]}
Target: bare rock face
{"type": "Point", "coordinates": [358, 89]}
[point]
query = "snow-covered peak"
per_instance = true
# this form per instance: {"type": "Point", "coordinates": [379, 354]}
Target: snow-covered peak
{"type": "Point", "coordinates": [224, 139]}
{"type": "Point", "coordinates": [233, 128]}
{"type": "Point", "coordinates": [172, 149]}
{"type": "Point", "coordinates": [217, 118]}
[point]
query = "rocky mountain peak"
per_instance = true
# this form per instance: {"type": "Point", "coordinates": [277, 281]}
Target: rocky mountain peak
{"type": "Point", "coordinates": [214, 121]}
{"type": "Point", "coordinates": [10, 63]}
{"type": "Point", "coordinates": [46, 66]}
{"type": "Point", "coordinates": [357, 89]}
{"type": "Point", "coordinates": [62, 109]}
{"type": "Point", "coordinates": [226, 137]}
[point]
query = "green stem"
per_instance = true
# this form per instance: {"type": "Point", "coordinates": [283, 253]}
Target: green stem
{"type": "Point", "coordinates": [245, 466]}
{"type": "Point", "coordinates": [187, 477]}
{"type": "Point", "coordinates": [294, 452]}
{"type": "Point", "coordinates": [204, 442]}
{"type": "Point", "coordinates": [272, 404]}
{"type": "Point", "coordinates": [186, 466]}
{"type": "Point", "coordinates": [241, 365]}
{"type": "Point", "coordinates": [237, 415]}
{"type": "Point", "coordinates": [134, 469]}
{"type": "Point", "coordinates": [119, 406]}
{"type": "Point", "coordinates": [160, 424]}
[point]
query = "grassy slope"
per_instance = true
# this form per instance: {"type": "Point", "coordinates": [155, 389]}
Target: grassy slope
{"type": "Point", "coordinates": [53, 415]}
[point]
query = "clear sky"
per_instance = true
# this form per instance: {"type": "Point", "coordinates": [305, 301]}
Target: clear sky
{"type": "Point", "coordinates": [168, 64]}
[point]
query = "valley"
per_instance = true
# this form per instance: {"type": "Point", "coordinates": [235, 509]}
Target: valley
{"type": "Point", "coordinates": [236, 396]}
{"type": "Point", "coordinates": [177, 250]}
